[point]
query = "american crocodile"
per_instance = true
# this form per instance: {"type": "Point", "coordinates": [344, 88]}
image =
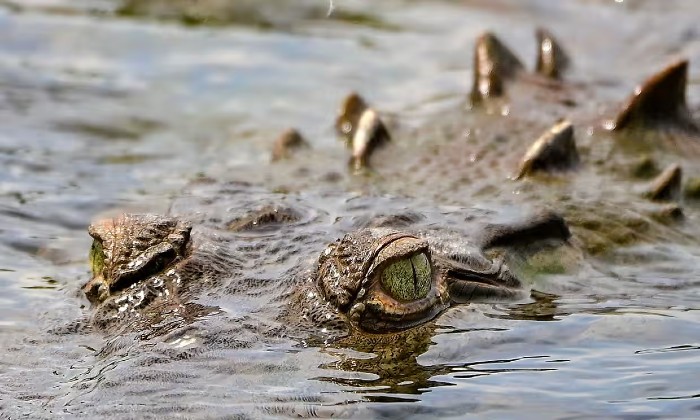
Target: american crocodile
{"type": "Point", "coordinates": [399, 268]}
{"type": "Point", "coordinates": [389, 274]}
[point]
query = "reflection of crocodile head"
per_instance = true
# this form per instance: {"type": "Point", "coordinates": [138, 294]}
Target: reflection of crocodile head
{"type": "Point", "coordinates": [393, 271]}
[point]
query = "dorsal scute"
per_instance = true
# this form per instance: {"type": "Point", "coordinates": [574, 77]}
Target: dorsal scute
{"type": "Point", "coordinates": [494, 64]}
{"type": "Point", "coordinates": [555, 150]}
{"type": "Point", "coordinates": [287, 143]}
{"type": "Point", "coordinates": [351, 109]}
{"type": "Point", "coordinates": [667, 185]}
{"type": "Point", "coordinates": [552, 60]}
{"type": "Point", "coordinates": [659, 101]}
{"type": "Point", "coordinates": [362, 129]}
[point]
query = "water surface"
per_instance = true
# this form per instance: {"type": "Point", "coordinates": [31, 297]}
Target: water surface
{"type": "Point", "coordinates": [108, 107]}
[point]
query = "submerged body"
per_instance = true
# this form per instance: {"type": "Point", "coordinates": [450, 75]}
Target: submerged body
{"type": "Point", "coordinates": [397, 271]}
{"type": "Point", "coordinates": [602, 326]}
{"type": "Point", "coordinates": [391, 272]}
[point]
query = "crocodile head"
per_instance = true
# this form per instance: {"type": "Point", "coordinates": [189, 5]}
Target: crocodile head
{"type": "Point", "coordinates": [383, 277]}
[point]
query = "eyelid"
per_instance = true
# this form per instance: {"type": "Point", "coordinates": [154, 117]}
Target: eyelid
{"type": "Point", "coordinates": [375, 264]}
{"type": "Point", "coordinates": [369, 265]}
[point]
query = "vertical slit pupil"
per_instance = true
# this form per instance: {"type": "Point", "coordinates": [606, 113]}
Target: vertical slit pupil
{"type": "Point", "coordinates": [415, 277]}
{"type": "Point", "coordinates": [409, 278]}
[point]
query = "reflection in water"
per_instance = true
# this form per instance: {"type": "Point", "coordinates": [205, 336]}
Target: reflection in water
{"type": "Point", "coordinates": [390, 360]}
{"type": "Point", "coordinates": [684, 347]}
{"type": "Point", "coordinates": [544, 308]}
{"type": "Point", "coordinates": [389, 364]}
{"type": "Point", "coordinates": [114, 105]}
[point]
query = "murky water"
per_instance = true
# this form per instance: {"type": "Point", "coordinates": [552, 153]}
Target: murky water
{"type": "Point", "coordinates": [111, 106]}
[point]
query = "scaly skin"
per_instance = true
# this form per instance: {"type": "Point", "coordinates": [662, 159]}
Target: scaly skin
{"type": "Point", "coordinates": [395, 275]}
{"type": "Point", "coordinates": [373, 280]}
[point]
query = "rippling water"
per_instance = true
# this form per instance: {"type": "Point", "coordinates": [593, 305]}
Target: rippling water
{"type": "Point", "coordinates": [111, 106]}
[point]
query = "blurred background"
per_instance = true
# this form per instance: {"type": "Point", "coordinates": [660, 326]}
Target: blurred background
{"type": "Point", "coordinates": [114, 105]}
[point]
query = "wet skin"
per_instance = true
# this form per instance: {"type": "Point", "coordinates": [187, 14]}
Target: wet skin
{"type": "Point", "coordinates": [372, 280]}
{"type": "Point", "coordinates": [386, 278]}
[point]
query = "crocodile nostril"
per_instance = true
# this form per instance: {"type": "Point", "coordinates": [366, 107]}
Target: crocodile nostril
{"type": "Point", "coordinates": [268, 217]}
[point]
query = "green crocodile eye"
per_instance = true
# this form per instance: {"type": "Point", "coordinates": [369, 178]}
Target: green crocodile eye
{"type": "Point", "coordinates": [97, 258]}
{"type": "Point", "coordinates": [408, 279]}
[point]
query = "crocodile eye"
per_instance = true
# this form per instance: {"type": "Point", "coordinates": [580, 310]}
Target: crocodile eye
{"type": "Point", "coordinates": [408, 279]}
{"type": "Point", "coordinates": [97, 258]}
{"type": "Point", "coordinates": [394, 285]}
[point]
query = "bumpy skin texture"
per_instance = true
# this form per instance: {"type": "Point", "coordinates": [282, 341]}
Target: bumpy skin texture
{"type": "Point", "coordinates": [390, 275]}
{"type": "Point", "coordinates": [357, 283]}
{"type": "Point", "coordinates": [348, 277]}
{"type": "Point", "coordinates": [133, 247]}
{"type": "Point", "coordinates": [145, 271]}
